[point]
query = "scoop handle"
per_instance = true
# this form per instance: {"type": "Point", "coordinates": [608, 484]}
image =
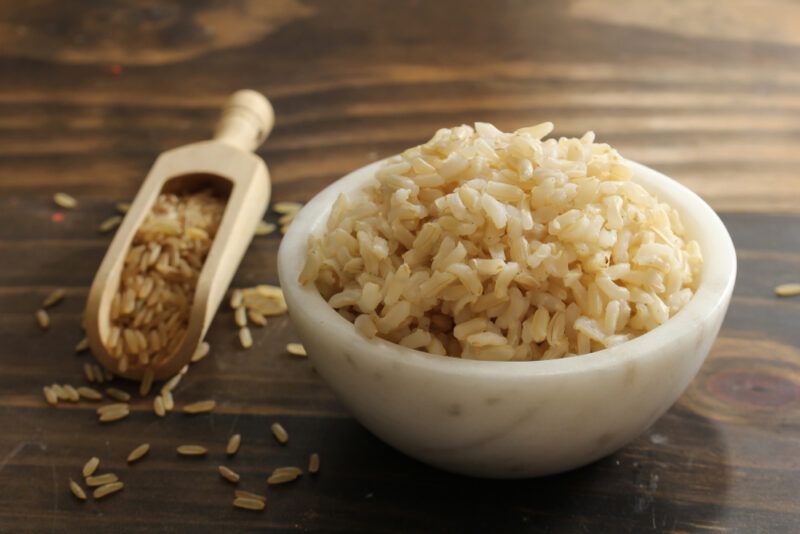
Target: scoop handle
{"type": "Point", "coordinates": [247, 119]}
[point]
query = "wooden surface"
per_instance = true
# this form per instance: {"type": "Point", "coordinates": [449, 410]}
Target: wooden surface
{"type": "Point", "coordinates": [91, 92]}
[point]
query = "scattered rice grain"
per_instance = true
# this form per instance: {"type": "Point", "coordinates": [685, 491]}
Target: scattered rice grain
{"type": "Point", "coordinates": [64, 200]}
{"type": "Point", "coordinates": [90, 466]}
{"type": "Point", "coordinates": [118, 394]}
{"type": "Point", "coordinates": [101, 480]}
{"type": "Point", "coordinates": [296, 349]}
{"type": "Point", "coordinates": [54, 298]}
{"type": "Point", "coordinates": [201, 352]}
{"type": "Point", "coordinates": [313, 463]}
{"type": "Point", "coordinates": [71, 393]}
{"type": "Point", "coordinates": [77, 490]}
{"type": "Point", "coordinates": [280, 433]}
{"type": "Point", "coordinates": [50, 396]}
{"type": "Point", "coordinates": [228, 474]}
{"type": "Point", "coordinates": [89, 393]}
{"type": "Point", "coordinates": [233, 444]}
{"type": "Point", "coordinates": [249, 495]}
{"type": "Point", "coordinates": [245, 338]}
{"type": "Point", "coordinates": [286, 207]}
{"type": "Point", "coordinates": [43, 319]}
{"type": "Point", "coordinates": [110, 223]}
{"type": "Point", "coordinates": [158, 406]}
{"type": "Point", "coordinates": [788, 290]}
{"type": "Point", "coordinates": [265, 228]}
{"type": "Point", "coordinates": [204, 406]}
{"type": "Point", "coordinates": [138, 452]}
{"type": "Point", "coordinates": [249, 504]}
{"type": "Point", "coordinates": [192, 450]}
{"type": "Point", "coordinates": [256, 318]}
{"type": "Point", "coordinates": [82, 345]}
{"type": "Point", "coordinates": [147, 382]}
{"type": "Point", "coordinates": [108, 489]}
{"type": "Point", "coordinates": [283, 475]}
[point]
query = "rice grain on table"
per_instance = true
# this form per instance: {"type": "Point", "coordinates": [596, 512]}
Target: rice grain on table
{"type": "Point", "coordinates": [138, 452]}
{"type": "Point", "coordinates": [233, 444]}
{"type": "Point", "coordinates": [169, 401]}
{"type": "Point", "coordinates": [265, 228]}
{"type": "Point", "coordinates": [313, 463]}
{"type": "Point", "coordinates": [283, 475]}
{"type": "Point", "coordinates": [788, 290]}
{"type": "Point", "coordinates": [110, 223]}
{"type": "Point", "coordinates": [172, 383]}
{"type": "Point", "coordinates": [101, 480]}
{"type": "Point", "coordinates": [98, 373]}
{"type": "Point", "coordinates": [286, 207]}
{"type": "Point", "coordinates": [88, 372]}
{"type": "Point", "coordinates": [192, 450]}
{"type": "Point", "coordinates": [110, 416]}
{"type": "Point", "coordinates": [280, 433]}
{"type": "Point", "coordinates": [158, 406]}
{"type": "Point", "coordinates": [245, 338]}
{"type": "Point", "coordinates": [71, 393]}
{"type": "Point", "coordinates": [201, 352]}
{"type": "Point", "coordinates": [490, 229]}
{"type": "Point", "coordinates": [108, 489]}
{"type": "Point", "coordinates": [56, 296]}
{"type": "Point", "coordinates": [204, 406]}
{"type": "Point", "coordinates": [236, 298]}
{"type": "Point", "coordinates": [147, 382]}
{"type": "Point", "coordinates": [77, 490]}
{"type": "Point", "coordinates": [90, 466]}
{"type": "Point", "coordinates": [296, 349]}
{"type": "Point", "coordinates": [256, 318]}
{"type": "Point", "coordinates": [240, 317]}
{"type": "Point", "coordinates": [43, 318]}
{"type": "Point", "coordinates": [228, 474]}
{"type": "Point", "coordinates": [59, 391]}
{"type": "Point", "coordinates": [50, 395]}
{"type": "Point", "coordinates": [63, 200]}
{"type": "Point", "coordinates": [113, 407]}
{"type": "Point", "coordinates": [249, 504]}
{"type": "Point", "coordinates": [249, 495]}
{"type": "Point", "coordinates": [82, 345]}
{"type": "Point", "coordinates": [89, 393]}
{"type": "Point", "coordinates": [118, 394]}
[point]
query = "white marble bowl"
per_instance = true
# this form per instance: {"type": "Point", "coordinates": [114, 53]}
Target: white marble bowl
{"type": "Point", "coordinates": [511, 419]}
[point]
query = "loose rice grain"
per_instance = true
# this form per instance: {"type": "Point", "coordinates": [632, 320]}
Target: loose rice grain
{"type": "Point", "coordinates": [240, 317]}
{"type": "Point", "coordinates": [286, 207]}
{"type": "Point", "coordinates": [233, 444]}
{"type": "Point", "coordinates": [249, 504]}
{"type": "Point", "coordinates": [313, 463]}
{"type": "Point", "coordinates": [43, 319]}
{"type": "Point", "coordinates": [228, 474]}
{"type": "Point", "coordinates": [296, 349]}
{"type": "Point", "coordinates": [788, 290]}
{"type": "Point", "coordinates": [54, 298]}
{"type": "Point", "coordinates": [204, 406]}
{"type": "Point", "coordinates": [265, 228]}
{"type": "Point", "coordinates": [82, 345]}
{"type": "Point", "coordinates": [245, 338]}
{"type": "Point", "coordinates": [256, 318]}
{"type": "Point", "coordinates": [158, 406]}
{"type": "Point", "coordinates": [118, 394]}
{"type": "Point", "coordinates": [77, 490]}
{"type": "Point", "coordinates": [280, 433]}
{"type": "Point", "coordinates": [249, 495]}
{"type": "Point", "coordinates": [192, 450]}
{"type": "Point", "coordinates": [90, 466]}
{"type": "Point", "coordinates": [147, 382]}
{"type": "Point", "coordinates": [89, 393]}
{"type": "Point", "coordinates": [88, 372]}
{"type": "Point", "coordinates": [138, 452]}
{"type": "Point", "coordinates": [283, 475]}
{"type": "Point", "coordinates": [108, 489]}
{"type": "Point", "coordinates": [72, 393]}
{"type": "Point", "coordinates": [110, 223]}
{"type": "Point", "coordinates": [101, 480]}
{"type": "Point", "coordinates": [50, 396]}
{"type": "Point", "coordinates": [169, 401]}
{"type": "Point", "coordinates": [201, 352]}
{"type": "Point", "coordinates": [64, 200]}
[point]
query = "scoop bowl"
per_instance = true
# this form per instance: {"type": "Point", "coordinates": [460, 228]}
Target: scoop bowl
{"type": "Point", "coordinates": [511, 419]}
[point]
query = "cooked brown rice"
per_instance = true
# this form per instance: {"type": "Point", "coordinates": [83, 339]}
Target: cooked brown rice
{"type": "Point", "coordinates": [503, 246]}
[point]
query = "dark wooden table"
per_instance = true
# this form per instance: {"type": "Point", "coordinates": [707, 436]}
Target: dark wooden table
{"type": "Point", "coordinates": [91, 92]}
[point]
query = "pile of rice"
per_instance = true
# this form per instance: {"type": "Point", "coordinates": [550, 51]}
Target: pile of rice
{"type": "Point", "coordinates": [504, 246]}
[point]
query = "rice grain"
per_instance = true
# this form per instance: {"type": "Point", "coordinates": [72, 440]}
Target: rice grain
{"type": "Point", "coordinates": [249, 504]}
{"type": "Point", "coordinates": [233, 444]}
{"type": "Point", "coordinates": [138, 452]}
{"type": "Point", "coordinates": [108, 489]}
{"type": "Point", "coordinates": [118, 394]}
{"type": "Point", "coordinates": [90, 466]}
{"type": "Point", "coordinates": [82, 345]}
{"type": "Point", "coordinates": [204, 406]}
{"type": "Point", "coordinates": [201, 352]}
{"type": "Point", "coordinates": [50, 396]}
{"type": "Point", "coordinates": [788, 290]}
{"type": "Point", "coordinates": [147, 382]}
{"type": "Point", "coordinates": [245, 338]}
{"type": "Point", "coordinates": [296, 349]}
{"type": "Point", "coordinates": [192, 450]}
{"type": "Point", "coordinates": [249, 495]}
{"type": "Point", "coordinates": [158, 406]}
{"type": "Point", "coordinates": [228, 474]}
{"type": "Point", "coordinates": [282, 475]}
{"type": "Point", "coordinates": [53, 298]}
{"type": "Point", "coordinates": [256, 318]}
{"type": "Point", "coordinates": [43, 319]}
{"type": "Point", "coordinates": [77, 490]}
{"type": "Point", "coordinates": [110, 223]}
{"type": "Point", "coordinates": [101, 480]}
{"type": "Point", "coordinates": [280, 433]}
{"type": "Point", "coordinates": [265, 228]}
{"type": "Point", "coordinates": [65, 201]}
{"type": "Point", "coordinates": [313, 463]}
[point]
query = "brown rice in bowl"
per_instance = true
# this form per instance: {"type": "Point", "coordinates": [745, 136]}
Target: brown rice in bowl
{"type": "Point", "coordinates": [504, 246]}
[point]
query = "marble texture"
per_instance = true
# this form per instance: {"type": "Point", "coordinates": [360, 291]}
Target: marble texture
{"type": "Point", "coordinates": [512, 419]}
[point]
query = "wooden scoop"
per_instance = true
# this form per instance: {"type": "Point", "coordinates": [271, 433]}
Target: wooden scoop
{"type": "Point", "coordinates": [227, 165]}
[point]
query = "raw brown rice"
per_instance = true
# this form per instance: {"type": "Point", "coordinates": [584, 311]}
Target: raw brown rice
{"type": "Point", "coordinates": [150, 310]}
{"type": "Point", "coordinates": [256, 318]}
{"type": "Point", "coordinates": [53, 298]}
{"type": "Point", "coordinates": [101, 480]}
{"type": "Point", "coordinates": [118, 394]}
{"type": "Point", "coordinates": [233, 444]}
{"type": "Point", "coordinates": [64, 200]}
{"type": "Point", "coordinates": [169, 401]}
{"type": "Point", "coordinates": [110, 223]}
{"type": "Point", "coordinates": [158, 406]}
{"type": "Point", "coordinates": [236, 298]}
{"type": "Point", "coordinates": [249, 495]}
{"type": "Point", "coordinates": [91, 466]}
{"type": "Point", "coordinates": [280, 433]}
{"type": "Point", "coordinates": [265, 228]}
{"type": "Point", "coordinates": [89, 393]}
{"type": "Point", "coordinates": [283, 475]}
{"type": "Point", "coordinates": [313, 463]}
{"type": "Point", "coordinates": [228, 474]}
{"type": "Point", "coordinates": [296, 349]}
{"type": "Point", "coordinates": [59, 391]}
{"type": "Point", "coordinates": [204, 406]}
{"type": "Point", "coordinates": [138, 452]}
{"type": "Point", "coordinates": [192, 450]}
{"type": "Point", "coordinates": [788, 290]}
{"type": "Point", "coordinates": [488, 245]}
{"type": "Point", "coordinates": [110, 416]}
{"type": "Point", "coordinates": [43, 319]}
{"type": "Point", "coordinates": [240, 317]}
{"type": "Point", "coordinates": [77, 490]}
{"type": "Point", "coordinates": [201, 352]}
{"type": "Point", "coordinates": [82, 345]}
{"type": "Point", "coordinates": [245, 338]}
{"type": "Point", "coordinates": [249, 504]}
{"type": "Point", "coordinates": [108, 489]}
{"type": "Point", "coordinates": [50, 396]}
{"type": "Point", "coordinates": [72, 393]}
{"type": "Point", "coordinates": [147, 382]}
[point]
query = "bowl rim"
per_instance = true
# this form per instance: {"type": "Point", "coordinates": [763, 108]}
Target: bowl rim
{"type": "Point", "coordinates": [702, 223]}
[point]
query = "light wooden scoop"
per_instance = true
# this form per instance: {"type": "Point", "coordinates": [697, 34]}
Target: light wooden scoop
{"type": "Point", "coordinates": [225, 164]}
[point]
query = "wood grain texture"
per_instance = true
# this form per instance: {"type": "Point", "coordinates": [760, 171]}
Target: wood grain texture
{"type": "Point", "coordinates": [91, 92]}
